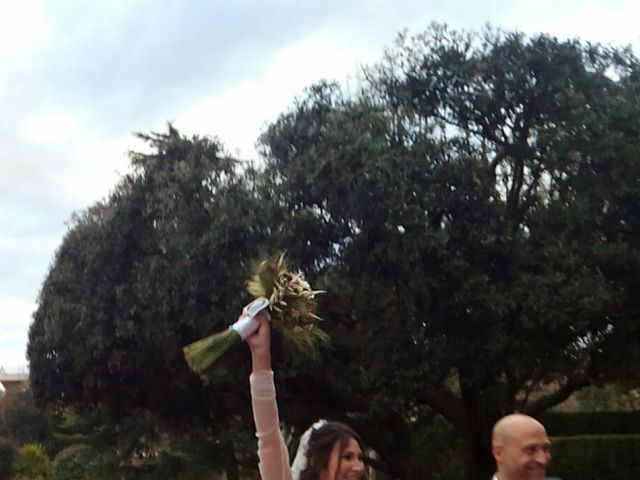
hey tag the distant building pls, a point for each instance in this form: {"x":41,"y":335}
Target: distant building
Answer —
{"x":14,"y":380}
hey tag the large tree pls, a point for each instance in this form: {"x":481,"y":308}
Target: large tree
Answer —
{"x":475,"y":214}
{"x":158,"y":264}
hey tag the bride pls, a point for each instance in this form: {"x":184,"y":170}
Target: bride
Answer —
{"x":328,"y":450}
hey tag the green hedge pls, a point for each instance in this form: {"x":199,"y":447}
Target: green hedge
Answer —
{"x":596,"y":457}
{"x":567,"y":424}
{"x":7,"y":454}
{"x":72,"y":463}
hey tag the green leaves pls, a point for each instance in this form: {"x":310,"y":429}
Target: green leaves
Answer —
{"x":461,"y":208}
{"x":31,"y":463}
{"x":139,"y":275}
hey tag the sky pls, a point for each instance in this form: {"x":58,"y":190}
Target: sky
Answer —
{"x":79,"y":78}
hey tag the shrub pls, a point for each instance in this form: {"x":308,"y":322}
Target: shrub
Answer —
{"x":435,"y":448}
{"x":566,"y":424}
{"x":31,"y":463}
{"x":71,"y":463}
{"x":7,"y":454}
{"x":596,"y":457}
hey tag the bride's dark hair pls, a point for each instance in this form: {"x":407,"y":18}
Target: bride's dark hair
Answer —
{"x":321,"y":443}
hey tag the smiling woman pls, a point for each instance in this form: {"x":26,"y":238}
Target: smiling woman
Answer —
{"x":334,"y":451}
{"x":327,"y":451}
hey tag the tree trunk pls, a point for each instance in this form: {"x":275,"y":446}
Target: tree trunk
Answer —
{"x":230,"y":461}
{"x":478,"y":461}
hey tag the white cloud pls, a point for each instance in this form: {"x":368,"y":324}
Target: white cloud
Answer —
{"x":22,"y":27}
{"x":238,"y":115}
{"x":232,"y":117}
{"x":15,"y":312}
{"x":29,"y":244}
{"x":14,"y":322}
{"x":52,"y":126}
{"x":99,"y":164}
{"x":592,"y":20}
{"x":65,"y":173}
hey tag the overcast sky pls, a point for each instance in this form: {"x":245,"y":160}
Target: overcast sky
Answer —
{"x":78,"y":78}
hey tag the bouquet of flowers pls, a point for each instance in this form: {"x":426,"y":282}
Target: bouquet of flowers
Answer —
{"x":292,"y":305}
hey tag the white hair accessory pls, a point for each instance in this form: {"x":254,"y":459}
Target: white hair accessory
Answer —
{"x":301,"y":460}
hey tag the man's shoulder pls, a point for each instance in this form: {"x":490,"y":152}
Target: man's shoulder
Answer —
{"x":495,"y":477}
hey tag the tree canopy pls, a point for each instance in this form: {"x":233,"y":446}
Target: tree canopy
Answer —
{"x":158,"y":264}
{"x":472,"y":213}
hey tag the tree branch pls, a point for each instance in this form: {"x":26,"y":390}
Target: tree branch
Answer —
{"x":445,"y":403}
{"x":561,"y":394}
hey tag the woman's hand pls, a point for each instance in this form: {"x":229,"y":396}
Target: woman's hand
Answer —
{"x":260,"y":343}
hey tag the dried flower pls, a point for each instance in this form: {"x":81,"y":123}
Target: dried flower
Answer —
{"x":292,"y":305}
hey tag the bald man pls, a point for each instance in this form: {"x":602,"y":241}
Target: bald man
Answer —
{"x":520,"y":445}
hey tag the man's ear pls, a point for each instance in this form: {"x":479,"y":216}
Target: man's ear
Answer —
{"x":496,"y":450}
